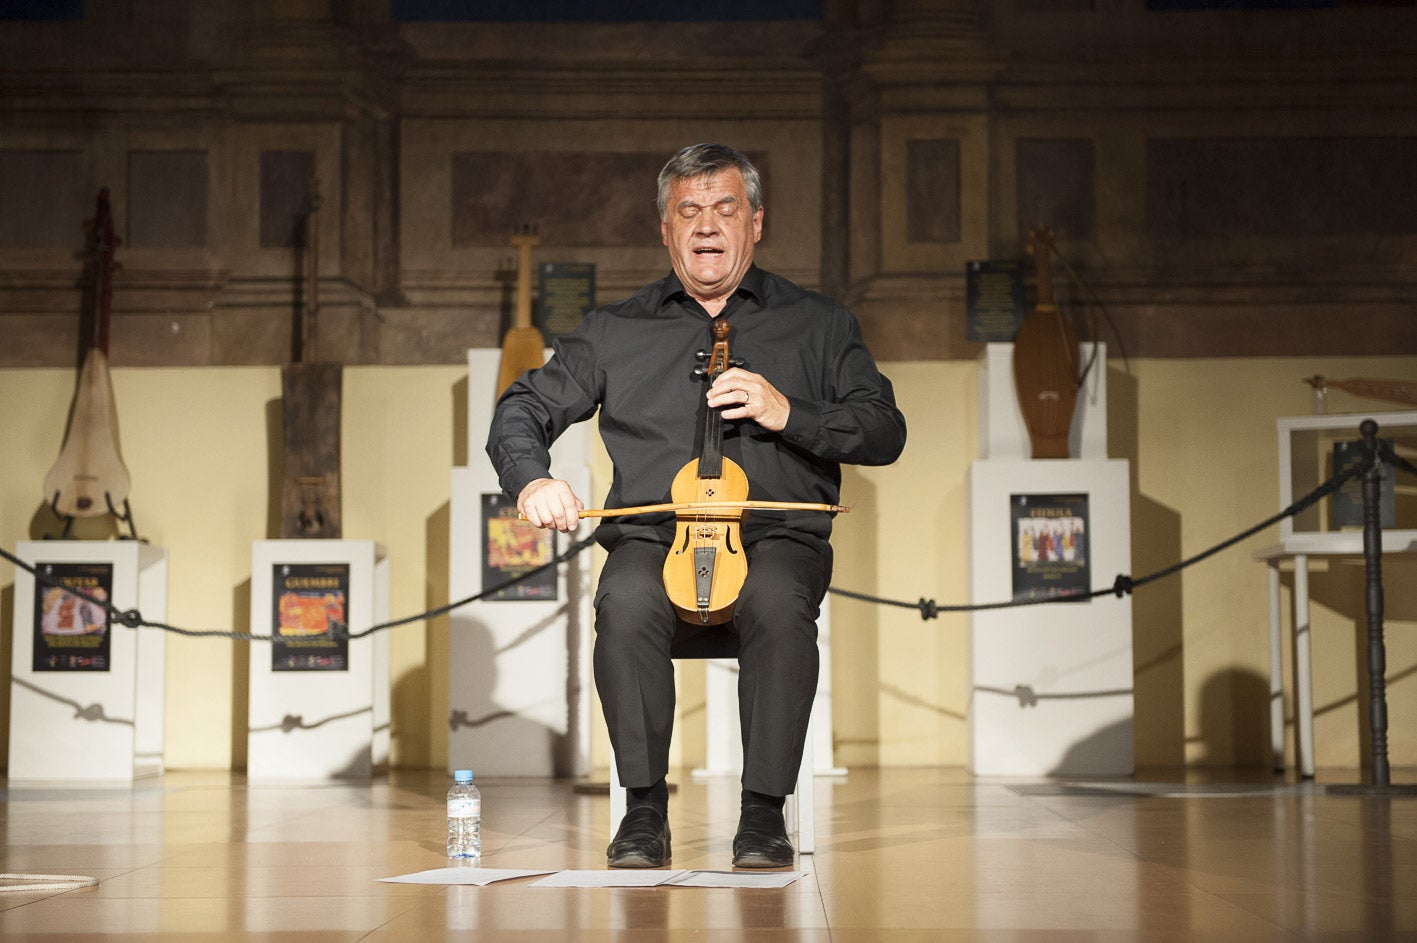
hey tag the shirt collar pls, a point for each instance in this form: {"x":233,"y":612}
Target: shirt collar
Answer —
{"x":752,"y":286}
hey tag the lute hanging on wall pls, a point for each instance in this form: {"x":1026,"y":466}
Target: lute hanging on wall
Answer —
{"x":310,"y":404}
{"x":1394,"y":391}
{"x":89,"y":478}
{"x":1046,"y":362}
{"x":523,"y":347}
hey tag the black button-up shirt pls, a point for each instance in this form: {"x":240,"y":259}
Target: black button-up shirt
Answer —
{"x":634,"y":362}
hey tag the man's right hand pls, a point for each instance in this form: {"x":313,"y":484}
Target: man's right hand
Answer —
{"x":550,"y":502}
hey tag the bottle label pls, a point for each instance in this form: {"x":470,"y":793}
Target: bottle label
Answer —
{"x":464,"y":808}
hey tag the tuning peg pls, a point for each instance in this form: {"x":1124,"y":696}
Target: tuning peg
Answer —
{"x":701,"y":355}
{"x":736,"y":361}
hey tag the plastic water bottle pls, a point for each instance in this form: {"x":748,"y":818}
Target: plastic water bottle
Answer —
{"x":464,"y":817}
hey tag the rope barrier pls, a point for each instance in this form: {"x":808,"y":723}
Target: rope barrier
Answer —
{"x":928,"y":608}
{"x":43,"y":883}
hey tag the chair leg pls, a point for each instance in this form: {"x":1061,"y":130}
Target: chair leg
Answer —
{"x":617,"y":797}
{"x":802,"y":806}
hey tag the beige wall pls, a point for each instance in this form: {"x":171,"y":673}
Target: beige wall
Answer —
{"x":1200,"y":435}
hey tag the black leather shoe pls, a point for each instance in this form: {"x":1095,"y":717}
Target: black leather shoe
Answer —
{"x":761,"y":841}
{"x":642,"y":840}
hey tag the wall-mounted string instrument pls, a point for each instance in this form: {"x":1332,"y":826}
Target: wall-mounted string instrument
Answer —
{"x":89,"y":478}
{"x":523,"y":347}
{"x":311,"y":393}
{"x":1394,"y":391}
{"x":1046,"y":374}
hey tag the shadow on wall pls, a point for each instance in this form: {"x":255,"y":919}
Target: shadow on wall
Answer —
{"x":1341,"y":588}
{"x":484,"y":734}
{"x":1234,"y":720}
{"x":241,"y":655}
{"x":1107,"y":752}
{"x":1157,"y":608}
{"x":856,"y":628}
{"x":420,"y":698}
{"x":7,"y":647}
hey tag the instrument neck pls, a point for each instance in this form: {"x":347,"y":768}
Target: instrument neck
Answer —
{"x":711,"y":452}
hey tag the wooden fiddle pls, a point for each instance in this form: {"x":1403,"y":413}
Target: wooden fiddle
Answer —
{"x":706,"y":564}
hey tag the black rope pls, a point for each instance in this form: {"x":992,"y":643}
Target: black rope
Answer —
{"x":928,"y":608}
{"x":1389,"y":455}
{"x":1123,"y":585}
{"x":133,"y":619}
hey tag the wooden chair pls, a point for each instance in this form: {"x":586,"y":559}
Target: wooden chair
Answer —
{"x":800,"y":810}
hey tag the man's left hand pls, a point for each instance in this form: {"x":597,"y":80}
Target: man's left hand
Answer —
{"x":746,"y":395}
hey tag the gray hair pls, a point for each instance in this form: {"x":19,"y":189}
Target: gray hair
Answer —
{"x":698,"y":160}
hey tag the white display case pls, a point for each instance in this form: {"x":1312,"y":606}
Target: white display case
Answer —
{"x":1306,"y":461}
{"x":320,"y":723}
{"x":80,"y":722}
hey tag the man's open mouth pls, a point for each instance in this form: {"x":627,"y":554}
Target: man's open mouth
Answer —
{"x":708,"y":251}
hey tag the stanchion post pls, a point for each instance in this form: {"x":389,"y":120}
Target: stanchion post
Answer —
{"x":1373,"y":566}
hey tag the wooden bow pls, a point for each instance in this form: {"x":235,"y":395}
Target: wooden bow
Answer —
{"x":710,"y":506}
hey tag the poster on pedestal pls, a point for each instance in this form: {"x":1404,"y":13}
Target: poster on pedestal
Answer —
{"x":513,"y":547}
{"x":1050,"y":536}
{"x":71,"y":633}
{"x":308,"y":598}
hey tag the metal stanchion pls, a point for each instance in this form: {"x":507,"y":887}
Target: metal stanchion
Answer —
{"x":1380,"y":772}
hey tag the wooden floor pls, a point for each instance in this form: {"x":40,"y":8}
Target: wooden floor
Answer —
{"x":903,"y":855}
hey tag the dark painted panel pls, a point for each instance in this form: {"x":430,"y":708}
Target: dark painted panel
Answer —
{"x":44,"y":200}
{"x":1055,"y":186}
{"x":167,"y":198}
{"x":1280,"y":187}
{"x":285,"y":196}
{"x":932,"y":211}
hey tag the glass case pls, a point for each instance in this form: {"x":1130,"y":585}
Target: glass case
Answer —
{"x":1312,"y":449}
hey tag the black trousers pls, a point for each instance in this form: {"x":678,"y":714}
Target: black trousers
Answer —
{"x":776,"y":624}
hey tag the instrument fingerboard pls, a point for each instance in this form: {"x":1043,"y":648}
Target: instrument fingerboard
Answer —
{"x":711,"y":453}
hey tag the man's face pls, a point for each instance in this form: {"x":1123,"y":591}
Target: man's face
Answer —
{"x":710,"y":231}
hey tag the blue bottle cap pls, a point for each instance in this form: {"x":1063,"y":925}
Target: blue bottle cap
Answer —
{"x":462,"y":776}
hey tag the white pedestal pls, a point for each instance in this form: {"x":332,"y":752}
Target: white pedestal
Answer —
{"x":1051,"y":684}
{"x":320,"y":724}
{"x":519,"y":670}
{"x":91,"y":725}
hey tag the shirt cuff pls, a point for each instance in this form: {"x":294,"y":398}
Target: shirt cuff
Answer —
{"x":804,"y":422}
{"x":520,"y":475}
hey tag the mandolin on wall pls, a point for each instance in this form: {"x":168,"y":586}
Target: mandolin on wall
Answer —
{"x":1046,"y":374}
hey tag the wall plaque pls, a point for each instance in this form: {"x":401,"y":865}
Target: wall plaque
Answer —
{"x":994,"y":299}
{"x":566,"y":295}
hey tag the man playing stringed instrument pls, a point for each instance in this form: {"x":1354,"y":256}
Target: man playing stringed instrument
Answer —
{"x":806,"y":398}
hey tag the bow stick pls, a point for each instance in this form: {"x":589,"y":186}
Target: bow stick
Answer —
{"x":710,"y":506}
